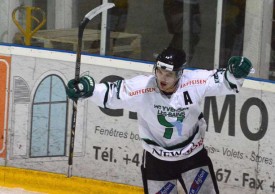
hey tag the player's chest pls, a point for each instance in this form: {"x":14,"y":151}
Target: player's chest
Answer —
{"x":180,"y":99}
{"x":175,"y":106}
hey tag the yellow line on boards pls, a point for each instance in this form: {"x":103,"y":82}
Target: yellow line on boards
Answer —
{"x":52,"y":183}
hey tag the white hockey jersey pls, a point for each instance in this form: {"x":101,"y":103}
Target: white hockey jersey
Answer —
{"x":171,"y":128}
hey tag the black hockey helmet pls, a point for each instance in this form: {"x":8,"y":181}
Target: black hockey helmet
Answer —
{"x":171,"y":59}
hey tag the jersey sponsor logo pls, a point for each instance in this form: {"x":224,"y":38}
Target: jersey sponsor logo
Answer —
{"x":180,"y":152}
{"x":142,"y":91}
{"x":194,"y":146}
{"x":169,"y":125}
{"x":198,"y":181}
{"x":193,"y":82}
{"x":167,"y":188}
{"x":174,"y":119}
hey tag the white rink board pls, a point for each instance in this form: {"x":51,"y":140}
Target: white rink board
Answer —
{"x":240,"y":137}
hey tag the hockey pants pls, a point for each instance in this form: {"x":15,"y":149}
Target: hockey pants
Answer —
{"x":195,"y":174}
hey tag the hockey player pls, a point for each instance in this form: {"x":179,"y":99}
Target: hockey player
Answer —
{"x":170,"y":121}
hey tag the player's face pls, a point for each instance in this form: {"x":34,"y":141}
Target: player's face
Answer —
{"x":166,"y":80}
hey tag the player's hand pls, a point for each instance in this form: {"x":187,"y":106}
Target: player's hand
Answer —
{"x":83,"y":88}
{"x":239,"y":66}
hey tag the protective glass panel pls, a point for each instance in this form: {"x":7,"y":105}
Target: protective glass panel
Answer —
{"x":141,"y":29}
{"x":272,"y":52}
{"x":135,"y":29}
{"x":232,"y":30}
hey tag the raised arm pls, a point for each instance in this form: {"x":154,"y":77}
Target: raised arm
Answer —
{"x":229,"y":80}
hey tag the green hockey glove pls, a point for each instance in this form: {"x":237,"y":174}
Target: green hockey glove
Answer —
{"x":239,"y":66}
{"x":83,"y":88}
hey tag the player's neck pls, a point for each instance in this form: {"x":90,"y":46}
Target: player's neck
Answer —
{"x":170,"y":91}
{"x":167,"y":93}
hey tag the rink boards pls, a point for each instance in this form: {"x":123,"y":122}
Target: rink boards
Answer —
{"x":239,"y":138}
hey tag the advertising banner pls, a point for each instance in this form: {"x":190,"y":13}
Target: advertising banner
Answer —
{"x":239,"y":137}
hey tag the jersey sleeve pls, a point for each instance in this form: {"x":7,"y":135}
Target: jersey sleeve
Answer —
{"x":118,"y":94}
{"x":221,"y":82}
